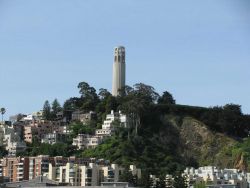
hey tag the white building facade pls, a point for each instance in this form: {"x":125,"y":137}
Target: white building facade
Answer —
{"x":83,"y":141}
{"x":214,"y":176}
{"x":88,"y":175}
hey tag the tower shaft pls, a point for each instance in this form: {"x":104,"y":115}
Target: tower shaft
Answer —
{"x":119,"y":68}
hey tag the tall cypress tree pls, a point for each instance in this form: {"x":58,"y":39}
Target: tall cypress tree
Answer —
{"x":56,"y":107}
{"x":46,"y":110}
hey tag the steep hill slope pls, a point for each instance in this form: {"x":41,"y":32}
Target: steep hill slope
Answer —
{"x":167,"y":144}
{"x":202,"y":146}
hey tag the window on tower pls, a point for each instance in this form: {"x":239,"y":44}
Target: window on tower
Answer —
{"x":118,"y":58}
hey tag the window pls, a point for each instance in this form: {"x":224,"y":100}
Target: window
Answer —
{"x":89,"y":172}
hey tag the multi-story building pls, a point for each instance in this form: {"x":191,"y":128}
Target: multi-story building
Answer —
{"x":110,"y":173}
{"x":38,"y":129}
{"x":18,"y":128}
{"x":91,"y":174}
{"x":83,"y":141}
{"x":39,"y":165}
{"x":107,"y":126}
{"x":83,"y":117}
{"x":103,"y":132}
{"x":64,"y":129}
{"x":15,"y":168}
{"x":69,"y":170}
{"x":110,"y":118}
{"x":52,"y":138}
{"x":11,"y":140}
{"x":214,"y":176}
{"x":29,"y":132}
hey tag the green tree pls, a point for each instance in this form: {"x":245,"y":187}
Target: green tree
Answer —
{"x":127,"y":176}
{"x":104,"y":93}
{"x":72,"y":104}
{"x":200,"y":185}
{"x":161,"y":182}
{"x":2,"y":110}
{"x":169,"y":181}
{"x":180,"y":181}
{"x":111,"y":104}
{"x":137,"y":103}
{"x":233,"y":108}
{"x":166,"y":98}
{"x":79,"y":128}
{"x":58,"y":149}
{"x":89,"y":97}
{"x":146,"y":92}
{"x":86,"y":90}
{"x":46,"y":110}
{"x":126,"y":90}
{"x":56,"y":107}
{"x":146,"y":180}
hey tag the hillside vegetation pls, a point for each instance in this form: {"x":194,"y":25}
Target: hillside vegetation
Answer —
{"x":163,"y":136}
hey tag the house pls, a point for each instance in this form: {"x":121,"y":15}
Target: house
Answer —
{"x":83,"y":117}
{"x":38,"y":129}
{"x":110,"y":118}
{"x":52,"y":138}
{"x":83,"y":141}
{"x":107,"y":126}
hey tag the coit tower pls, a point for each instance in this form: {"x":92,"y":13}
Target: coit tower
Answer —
{"x":118,"y":70}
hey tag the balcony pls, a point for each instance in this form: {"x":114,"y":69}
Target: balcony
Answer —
{"x":20,"y":172}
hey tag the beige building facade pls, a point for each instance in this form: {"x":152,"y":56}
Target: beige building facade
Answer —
{"x":90,"y":174}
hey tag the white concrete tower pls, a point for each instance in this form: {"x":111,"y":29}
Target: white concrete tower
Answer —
{"x":118,"y":70}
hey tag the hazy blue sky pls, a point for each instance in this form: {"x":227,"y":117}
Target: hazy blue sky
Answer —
{"x":197,"y":50}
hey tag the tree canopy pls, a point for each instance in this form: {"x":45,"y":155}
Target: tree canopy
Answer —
{"x":46,"y":110}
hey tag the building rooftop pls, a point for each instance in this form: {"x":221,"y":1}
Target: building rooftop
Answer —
{"x":40,"y":181}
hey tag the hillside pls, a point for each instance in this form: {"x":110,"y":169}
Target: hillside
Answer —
{"x":179,"y":142}
{"x":163,"y":137}
{"x":203,"y":146}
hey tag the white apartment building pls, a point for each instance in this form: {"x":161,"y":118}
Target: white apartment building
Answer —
{"x":83,"y":141}
{"x":107,"y":127}
{"x":87,"y":175}
{"x":215,"y":176}
{"x":103,"y":132}
{"x":75,"y":174}
{"x":110,"y":118}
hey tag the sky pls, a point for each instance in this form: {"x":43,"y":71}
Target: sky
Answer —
{"x":197,"y":50}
